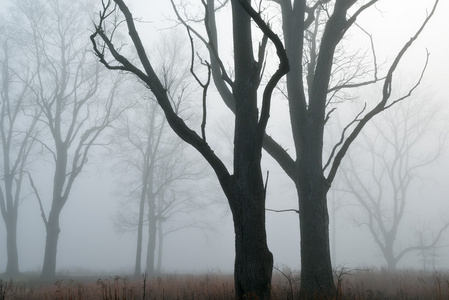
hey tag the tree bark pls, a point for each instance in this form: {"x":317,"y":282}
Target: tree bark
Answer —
{"x":316,"y":268}
{"x":253,"y":261}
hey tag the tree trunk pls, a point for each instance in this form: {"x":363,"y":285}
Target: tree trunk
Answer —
{"x":391,"y":263}
{"x":151,"y":236}
{"x":246,"y":193}
{"x":137,"y":268}
{"x":316,"y":268}
{"x":51,"y":245}
{"x":253,"y":261}
{"x":12,"y":267}
{"x":388,"y":252}
{"x":160,"y":241}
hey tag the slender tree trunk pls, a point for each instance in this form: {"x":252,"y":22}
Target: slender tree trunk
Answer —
{"x":160,"y":244}
{"x":12,"y":267}
{"x":151,"y":237}
{"x":137,"y":268}
{"x":51,"y":245}
{"x":334,"y":232}
{"x":316,"y":267}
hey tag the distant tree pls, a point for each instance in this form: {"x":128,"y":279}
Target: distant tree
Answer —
{"x":151,"y":152}
{"x":244,"y":189}
{"x":383,"y":173}
{"x":17,"y":134}
{"x":69,"y":92}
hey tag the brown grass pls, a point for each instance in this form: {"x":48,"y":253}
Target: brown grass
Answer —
{"x":354,"y":285}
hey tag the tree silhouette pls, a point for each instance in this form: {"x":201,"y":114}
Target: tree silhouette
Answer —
{"x":17,"y":136}
{"x":244,"y":188}
{"x":319,"y":79}
{"x":66,"y":92}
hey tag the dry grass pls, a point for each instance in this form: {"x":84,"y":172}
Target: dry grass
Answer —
{"x":354,"y":285}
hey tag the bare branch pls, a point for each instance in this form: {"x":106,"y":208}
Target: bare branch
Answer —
{"x":382,"y":105}
{"x":44,"y":218}
{"x":283,"y":210}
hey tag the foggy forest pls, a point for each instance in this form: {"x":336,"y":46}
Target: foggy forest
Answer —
{"x":224,"y":149}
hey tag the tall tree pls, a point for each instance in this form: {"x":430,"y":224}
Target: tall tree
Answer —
{"x":383,"y":173}
{"x":17,"y":130}
{"x":66,"y":90}
{"x":244,"y":188}
{"x":310,"y":85}
{"x":313,"y":33}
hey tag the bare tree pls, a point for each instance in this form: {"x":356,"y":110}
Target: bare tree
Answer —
{"x":66,"y":90}
{"x":244,"y":188}
{"x":313,"y":32}
{"x":17,"y":133}
{"x":151,"y":152}
{"x":309,"y":107}
{"x":382,"y":175}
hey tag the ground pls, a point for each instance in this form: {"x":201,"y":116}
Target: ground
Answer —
{"x":353,"y":284}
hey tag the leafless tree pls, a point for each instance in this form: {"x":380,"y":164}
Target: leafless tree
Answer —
{"x":151,"y":151}
{"x":310,"y":86}
{"x":382,"y":175}
{"x":314,"y":33}
{"x":244,"y":188}
{"x":68,"y":92}
{"x":17,"y":135}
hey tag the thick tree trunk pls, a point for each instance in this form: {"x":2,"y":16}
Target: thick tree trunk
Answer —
{"x":316,"y":268}
{"x":51,"y":245}
{"x":253,"y":261}
{"x":12,"y":266}
{"x":246,"y":195}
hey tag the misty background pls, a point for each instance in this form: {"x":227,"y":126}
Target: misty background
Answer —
{"x":89,"y":241}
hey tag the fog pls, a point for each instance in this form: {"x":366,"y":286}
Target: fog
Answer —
{"x":89,"y":242}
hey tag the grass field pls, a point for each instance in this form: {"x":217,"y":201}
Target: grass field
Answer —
{"x":355,"y":284}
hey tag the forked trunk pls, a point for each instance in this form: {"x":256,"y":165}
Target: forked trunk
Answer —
{"x":317,"y":280}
